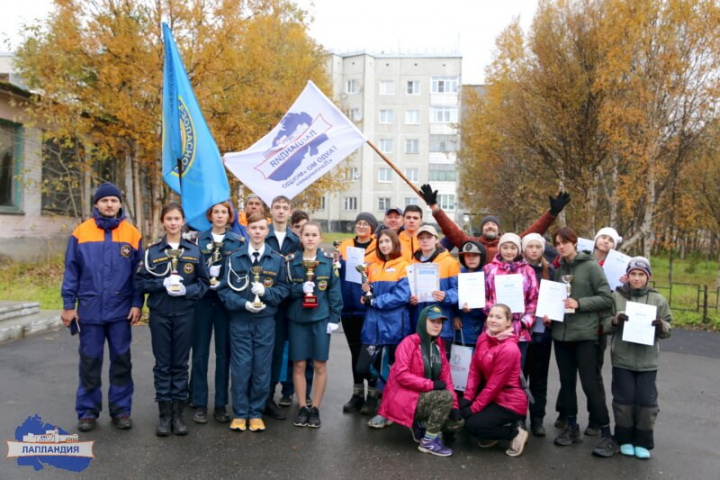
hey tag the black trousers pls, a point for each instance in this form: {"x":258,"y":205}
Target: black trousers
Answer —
{"x":171,"y":337}
{"x":493,"y":423}
{"x":369,"y":363}
{"x":575,"y":358}
{"x":537,"y":365}
{"x":635,"y":406}
{"x":352,"y":326}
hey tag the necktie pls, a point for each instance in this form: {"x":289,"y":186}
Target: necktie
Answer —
{"x":256,"y":258}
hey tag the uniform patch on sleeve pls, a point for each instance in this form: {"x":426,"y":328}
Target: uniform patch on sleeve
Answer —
{"x":125,"y":251}
{"x":188,"y":268}
{"x":322,"y":285}
{"x":268,"y":282}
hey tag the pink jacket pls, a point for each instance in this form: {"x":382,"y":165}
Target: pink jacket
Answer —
{"x":495,"y":370}
{"x":407,"y":381}
{"x":530,"y":289}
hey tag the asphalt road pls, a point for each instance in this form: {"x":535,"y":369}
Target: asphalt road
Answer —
{"x":39,"y":375}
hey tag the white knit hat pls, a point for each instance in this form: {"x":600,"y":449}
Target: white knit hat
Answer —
{"x":610,"y":232}
{"x":511,"y":238}
{"x":532,"y":237}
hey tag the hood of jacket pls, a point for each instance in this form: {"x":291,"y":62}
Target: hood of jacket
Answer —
{"x":579,"y":258}
{"x":428,"y":346}
{"x":438,"y":254}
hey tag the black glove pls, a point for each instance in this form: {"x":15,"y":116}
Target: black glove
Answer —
{"x":466,"y":412}
{"x":439,"y":385}
{"x":366,"y":301}
{"x":464,"y":402}
{"x":658,"y":324}
{"x":620,"y":317}
{"x":455,"y":414}
{"x":558,"y":203}
{"x":429,"y":195}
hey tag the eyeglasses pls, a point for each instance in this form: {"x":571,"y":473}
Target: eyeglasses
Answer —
{"x":362,"y":224}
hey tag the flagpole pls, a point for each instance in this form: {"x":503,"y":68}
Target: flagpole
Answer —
{"x":394,"y":167}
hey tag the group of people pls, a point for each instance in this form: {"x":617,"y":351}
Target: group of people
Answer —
{"x":271,"y":296}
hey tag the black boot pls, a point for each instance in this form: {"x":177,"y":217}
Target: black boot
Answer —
{"x":163,"y":428}
{"x":273,"y":411}
{"x":178,"y":423}
{"x":371,"y":403}
{"x":357,"y":400}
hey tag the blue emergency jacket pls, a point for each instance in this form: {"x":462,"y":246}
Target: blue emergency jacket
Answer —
{"x":473,"y":322}
{"x":231,"y":243}
{"x":100,"y":261}
{"x":236,"y":284}
{"x":327,"y":291}
{"x":291,"y":244}
{"x":156,"y":266}
{"x":351,"y":291}
{"x":387,"y":320}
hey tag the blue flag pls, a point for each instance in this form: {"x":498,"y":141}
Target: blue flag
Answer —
{"x":186,"y":137}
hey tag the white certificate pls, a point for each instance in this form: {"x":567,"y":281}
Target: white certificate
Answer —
{"x":614,"y":267}
{"x":427,"y":280}
{"x":355,"y":257}
{"x":551,"y":300}
{"x":471,"y":290}
{"x":585,"y":244}
{"x":638,"y":328}
{"x":509,"y":290}
{"x":410,"y":271}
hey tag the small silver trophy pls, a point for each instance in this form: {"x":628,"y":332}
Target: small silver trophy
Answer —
{"x":568,"y":279}
{"x":216,"y":257}
{"x":364,"y":276}
{"x":257,"y":303}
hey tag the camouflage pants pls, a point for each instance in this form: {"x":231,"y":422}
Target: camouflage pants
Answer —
{"x":433,"y":408}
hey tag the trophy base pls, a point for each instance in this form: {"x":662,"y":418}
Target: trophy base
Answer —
{"x":569,"y":310}
{"x":174,"y":288}
{"x":310,"y":301}
{"x":258,"y":304}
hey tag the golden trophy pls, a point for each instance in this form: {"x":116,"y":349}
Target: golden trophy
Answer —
{"x":567,"y":279}
{"x":215,"y":258}
{"x":310,"y":300}
{"x":364,"y":276}
{"x":174,"y":255}
{"x":257,"y":270}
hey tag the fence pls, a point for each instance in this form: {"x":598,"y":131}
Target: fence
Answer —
{"x":691,"y":297}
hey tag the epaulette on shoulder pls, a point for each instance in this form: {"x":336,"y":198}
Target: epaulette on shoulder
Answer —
{"x":328,"y":255}
{"x":287,"y":258}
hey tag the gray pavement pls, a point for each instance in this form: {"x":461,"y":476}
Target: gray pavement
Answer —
{"x":39,"y":375}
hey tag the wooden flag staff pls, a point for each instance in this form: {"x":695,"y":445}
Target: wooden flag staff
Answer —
{"x":397,"y":170}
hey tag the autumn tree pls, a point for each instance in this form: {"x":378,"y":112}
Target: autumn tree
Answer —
{"x":97,"y":66}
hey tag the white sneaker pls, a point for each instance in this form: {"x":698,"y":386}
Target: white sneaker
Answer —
{"x":517,"y":445}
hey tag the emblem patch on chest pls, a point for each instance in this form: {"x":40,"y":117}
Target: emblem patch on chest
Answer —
{"x":125,"y":251}
{"x":188,"y":268}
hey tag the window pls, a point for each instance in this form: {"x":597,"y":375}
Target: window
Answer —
{"x":443,"y":114}
{"x":387,"y":87}
{"x":447,"y":202}
{"x":386,"y":116}
{"x":352,"y":174}
{"x":443,"y":143}
{"x":386,"y":145}
{"x":445,"y":85}
{"x":413,"y":87}
{"x":412,"y":145}
{"x":383,"y":203}
{"x":384,"y":175}
{"x":411,"y":201}
{"x":412,"y":174}
{"x":352,"y":86}
{"x":442,"y":173}
{"x":59,"y":195}
{"x":355,"y":114}
{"x":412,"y":117}
{"x":11,"y":135}
{"x":322,"y":203}
{"x":350,"y":203}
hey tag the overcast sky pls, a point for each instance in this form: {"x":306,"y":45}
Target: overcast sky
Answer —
{"x":468,"y":27}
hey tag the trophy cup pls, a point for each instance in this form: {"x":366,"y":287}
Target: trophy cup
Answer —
{"x":257,"y":303}
{"x":174,"y":255}
{"x":363,"y":275}
{"x":310,"y":300}
{"x":216,"y":257}
{"x":567,"y":279}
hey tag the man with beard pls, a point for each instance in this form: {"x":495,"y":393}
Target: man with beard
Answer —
{"x":490,"y":225}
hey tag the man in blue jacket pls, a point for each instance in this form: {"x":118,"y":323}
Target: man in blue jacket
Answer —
{"x":100,"y":302}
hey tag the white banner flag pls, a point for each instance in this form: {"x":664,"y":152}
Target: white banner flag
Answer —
{"x":309,"y":141}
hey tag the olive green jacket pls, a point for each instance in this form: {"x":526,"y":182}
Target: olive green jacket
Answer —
{"x":592,"y":292}
{"x":634,"y":356}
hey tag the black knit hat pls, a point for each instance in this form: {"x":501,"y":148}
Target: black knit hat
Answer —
{"x":368,"y":217}
{"x":490,"y":218}
{"x":107,"y":190}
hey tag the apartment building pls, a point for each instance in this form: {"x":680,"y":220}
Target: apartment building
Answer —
{"x":409,"y":107}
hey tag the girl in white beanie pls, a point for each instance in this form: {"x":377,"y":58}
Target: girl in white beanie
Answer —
{"x":606,"y":239}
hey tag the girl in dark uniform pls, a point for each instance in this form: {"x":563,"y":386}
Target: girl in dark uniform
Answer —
{"x":176,"y":278}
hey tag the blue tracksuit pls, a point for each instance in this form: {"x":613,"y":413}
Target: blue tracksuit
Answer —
{"x":100,"y":263}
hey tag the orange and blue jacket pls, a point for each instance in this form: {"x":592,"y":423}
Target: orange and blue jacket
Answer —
{"x":387,"y":320}
{"x":409,"y":244}
{"x":100,"y":262}
{"x":449,"y":268}
{"x":351,"y":292}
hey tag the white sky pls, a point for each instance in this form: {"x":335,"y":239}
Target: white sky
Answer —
{"x":468,"y":27}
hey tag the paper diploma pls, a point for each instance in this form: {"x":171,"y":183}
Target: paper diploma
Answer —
{"x":471,"y":290}
{"x":638,"y":328}
{"x":614,"y":267}
{"x":551,"y":300}
{"x":586,"y":245}
{"x":427,"y":280}
{"x":355,"y":257}
{"x":509,"y":290}
{"x":410,"y":271}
